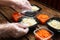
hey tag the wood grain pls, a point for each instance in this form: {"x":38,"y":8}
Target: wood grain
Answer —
{"x":2,"y":19}
{"x":7,"y":12}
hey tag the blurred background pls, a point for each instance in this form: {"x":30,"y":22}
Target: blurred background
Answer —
{"x":55,"y":4}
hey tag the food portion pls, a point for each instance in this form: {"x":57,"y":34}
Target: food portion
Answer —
{"x":16,"y":16}
{"x":43,"y":33}
{"x":28,"y":21}
{"x":54,"y":23}
{"x":42,"y":18}
{"x":35,"y":8}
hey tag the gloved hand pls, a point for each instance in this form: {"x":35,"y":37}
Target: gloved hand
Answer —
{"x":13,"y":30}
{"x":24,"y":4}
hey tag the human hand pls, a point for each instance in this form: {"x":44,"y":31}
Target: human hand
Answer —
{"x":13,"y":30}
{"x":23,"y":4}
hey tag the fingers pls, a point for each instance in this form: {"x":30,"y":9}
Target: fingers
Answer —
{"x":29,"y":5}
{"x":26,"y":5}
{"x":15,"y":30}
{"x":23,"y":28}
{"x":19,"y":31}
{"x":20,"y":25}
{"x":26,"y":30}
{"x":23,"y":4}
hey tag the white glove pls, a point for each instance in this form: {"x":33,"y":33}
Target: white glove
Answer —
{"x":24,"y":4}
{"x":12,"y":30}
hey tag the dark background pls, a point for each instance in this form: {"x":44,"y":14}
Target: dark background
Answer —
{"x":51,"y":3}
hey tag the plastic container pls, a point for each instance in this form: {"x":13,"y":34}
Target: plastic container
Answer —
{"x":52,"y":28}
{"x":37,"y":7}
{"x":32,"y":27}
{"x":39,"y":37}
{"x":16,"y":16}
{"x":42,"y":18}
{"x":31,"y":13}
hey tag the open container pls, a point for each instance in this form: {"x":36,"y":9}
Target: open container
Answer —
{"x":54,"y":24}
{"x":39,"y":35}
{"x":16,"y":16}
{"x":35,"y":10}
{"x":30,"y":13}
{"x":36,"y":7}
{"x":42,"y":18}
{"x":30,"y":22}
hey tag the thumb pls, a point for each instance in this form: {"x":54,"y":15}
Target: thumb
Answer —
{"x":21,"y":25}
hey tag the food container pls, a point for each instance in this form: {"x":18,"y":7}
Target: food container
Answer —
{"x":42,"y":18}
{"x":16,"y":16}
{"x":36,"y":7}
{"x":53,"y":24}
{"x":30,"y":22}
{"x":30,"y":13}
{"x":43,"y":34}
{"x":35,"y":10}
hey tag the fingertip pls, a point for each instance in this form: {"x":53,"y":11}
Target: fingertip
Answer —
{"x":21,"y":25}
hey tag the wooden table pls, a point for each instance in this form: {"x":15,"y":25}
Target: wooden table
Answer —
{"x":6,"y":16}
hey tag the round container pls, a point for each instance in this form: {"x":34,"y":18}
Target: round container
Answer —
{"x":40,"y":38}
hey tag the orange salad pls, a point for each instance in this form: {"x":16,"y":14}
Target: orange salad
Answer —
{"x":16,"y":16}
{"x":42,"y":18}
{"x":43,"y":33}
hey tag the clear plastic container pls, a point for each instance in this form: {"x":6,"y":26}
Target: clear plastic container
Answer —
{"x":40,"y":38}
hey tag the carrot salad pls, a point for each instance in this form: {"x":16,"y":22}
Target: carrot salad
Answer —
{"x":43,"y":33}
{"x":43,"y":18}
{"x":16,"y":16}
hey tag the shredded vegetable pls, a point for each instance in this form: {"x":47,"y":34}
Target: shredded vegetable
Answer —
{"x":43,"y":18}
{"x":16,"y":16}
{"x":43,"y":33}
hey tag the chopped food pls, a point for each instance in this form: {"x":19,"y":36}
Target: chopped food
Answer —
{"x":35,"y":8}
{"x":55,"y":24}
{"x":29,"y":21}
{"x":43,"y":33}
{"x":16,"y":16}
{"x":42,"y":18}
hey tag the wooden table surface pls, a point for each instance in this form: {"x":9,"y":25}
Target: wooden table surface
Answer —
{"x":6,"y":16}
